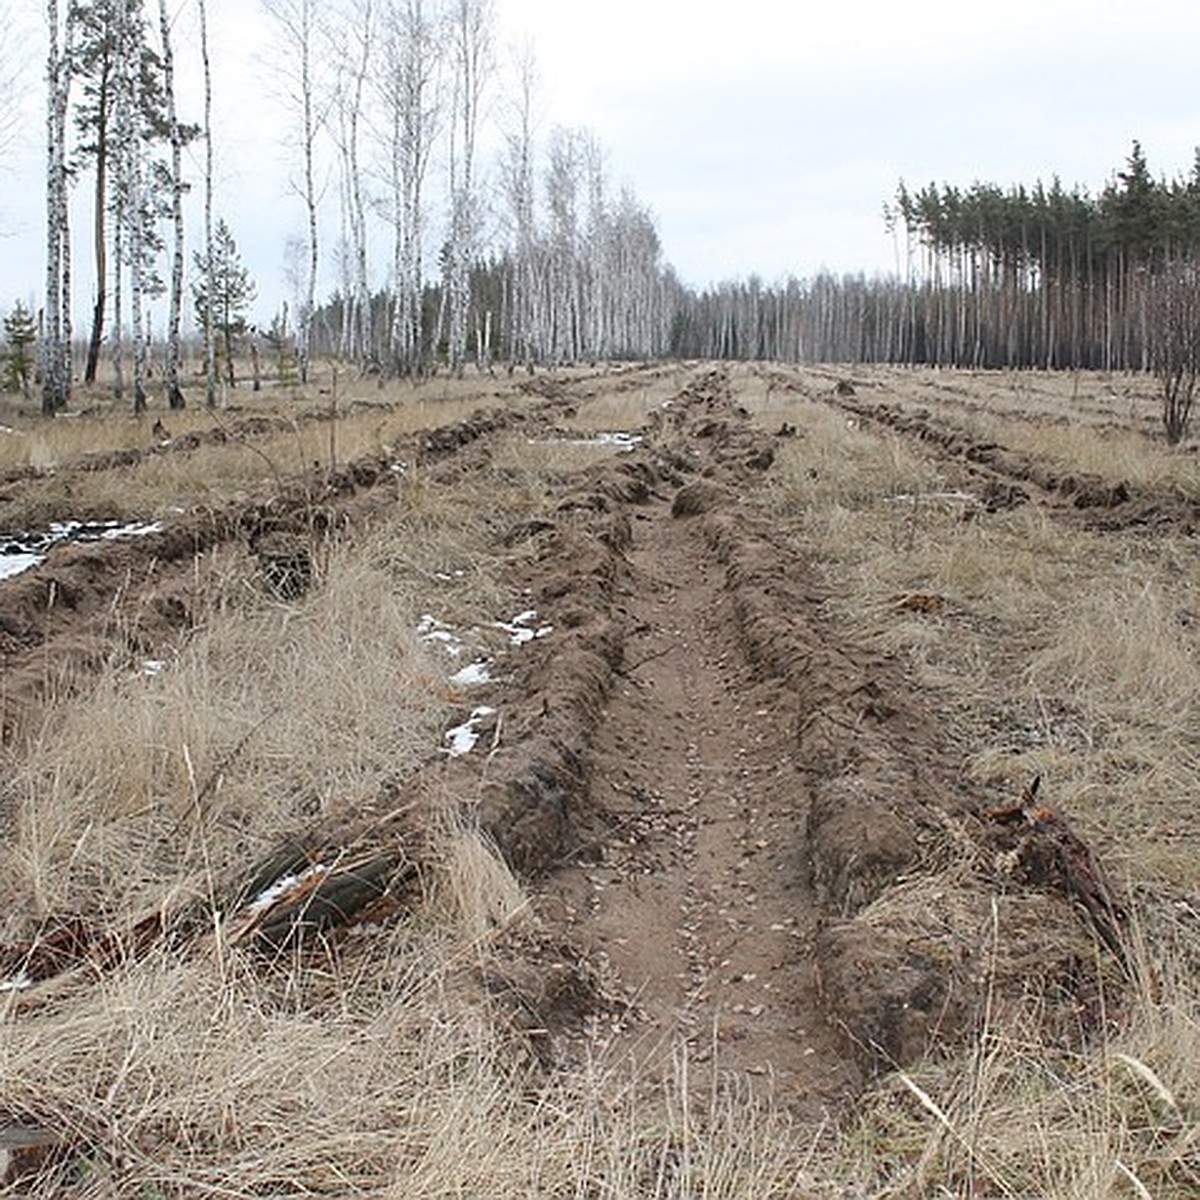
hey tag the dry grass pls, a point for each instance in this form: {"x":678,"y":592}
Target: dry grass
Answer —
{"x":1017,"y":1117}
{"x":379,"y":1067}
{"x":1086,"y":422}
{"x":382,"y":1068}
{"x":1054,"y":650}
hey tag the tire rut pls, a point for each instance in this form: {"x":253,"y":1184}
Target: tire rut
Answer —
{"x":691,"y":885}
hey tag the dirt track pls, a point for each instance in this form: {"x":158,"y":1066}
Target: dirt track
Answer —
{"x":742,"y":829}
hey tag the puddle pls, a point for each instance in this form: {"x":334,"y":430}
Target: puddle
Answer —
{"x":22,"y":551}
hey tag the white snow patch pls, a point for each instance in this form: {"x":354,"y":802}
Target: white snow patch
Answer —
{"x":280,"y":887}
{"x":27,"y":550}
{"x":153,"y":667}
{"x":464,"y":738}
{"x":519,"y":631}
{"x":622,"y":442}
{"x":472,"y":674}
{"x":430,"y":629}
{"x":14,"y":564}
{"x":18,"y":983}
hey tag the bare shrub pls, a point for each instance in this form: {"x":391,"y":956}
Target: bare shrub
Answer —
{"x":1175,"y":344}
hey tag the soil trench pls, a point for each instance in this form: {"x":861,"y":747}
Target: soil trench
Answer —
{"x":692,"y":886}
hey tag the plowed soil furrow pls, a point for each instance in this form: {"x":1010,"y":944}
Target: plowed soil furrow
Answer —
{"x":693,"y":885}
{"x":1006,"y":477}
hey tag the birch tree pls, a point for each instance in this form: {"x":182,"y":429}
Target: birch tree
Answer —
{"x":563,"y":274}
{"x":296,"y":66}
{"x":56,"y":319}
{"x":207,"y":315}
{"x":470,"y":40}
{"x":518,"y":182}
{"x":176,"y":134}
{"x":351,"y":43}
{"x":410,"y":97}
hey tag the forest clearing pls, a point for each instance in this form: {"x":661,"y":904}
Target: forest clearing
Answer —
{"x":649,"y":781}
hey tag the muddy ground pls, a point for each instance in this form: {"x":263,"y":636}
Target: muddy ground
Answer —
{"x":743,"y":833}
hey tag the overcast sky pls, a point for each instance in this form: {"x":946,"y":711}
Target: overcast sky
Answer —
{"x":765,"y":135}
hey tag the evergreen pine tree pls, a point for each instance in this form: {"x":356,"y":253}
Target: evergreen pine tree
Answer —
{"x":233,"y":291}
{"x":20,"y":333}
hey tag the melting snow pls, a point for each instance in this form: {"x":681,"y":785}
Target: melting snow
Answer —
{"x":463,"y":738}
{"x":472,"y":674}
{"x":622,"y":442}
{"x":14,"y":562}
{"x":26,"y":550}
{"x":17,"y":984}
{"x":430,"y":629}
{"x":280,"y":887}
{"x":518,"y":629}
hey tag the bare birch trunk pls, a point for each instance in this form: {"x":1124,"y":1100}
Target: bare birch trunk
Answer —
{"x":100,"y":202}
{"x":55,"y":350}
{"x":471,"y":40}
{"x":175,"y":302}
{"x":210,"y":344}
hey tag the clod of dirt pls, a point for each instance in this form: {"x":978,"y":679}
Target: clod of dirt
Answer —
{"x":527,"y":813}
{"x":698,"y":497}
{"x":844,"y":388}
{"x":998,"y":496}
{"x":858,"y":845}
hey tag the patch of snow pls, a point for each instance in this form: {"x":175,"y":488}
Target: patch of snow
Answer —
{"x":17,"y":984}
{"x":14,"y":563}
{"x":623,"y":442}
{"x":26,"y":550}
{"x":430,"y":629}
{"x":135,"y":529}
{"x":472,"y":674}
{"x":464,"y":738}
{"x":11,"y":431}
{"x":519,"y":631}
{"x":280,"y":887}
{"x":153,"y":667}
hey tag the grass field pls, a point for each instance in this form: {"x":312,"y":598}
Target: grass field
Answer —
{"x":385,"y":1060}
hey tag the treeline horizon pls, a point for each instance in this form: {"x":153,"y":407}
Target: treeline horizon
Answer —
{"x":1028,"y":276}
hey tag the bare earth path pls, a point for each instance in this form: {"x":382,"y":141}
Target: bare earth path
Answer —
{"x":694,"y":885}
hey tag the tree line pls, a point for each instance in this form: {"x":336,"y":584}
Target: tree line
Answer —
{"x":538,"y":260}
{"x":1028,"y":276}
{"x":531,"y":257}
